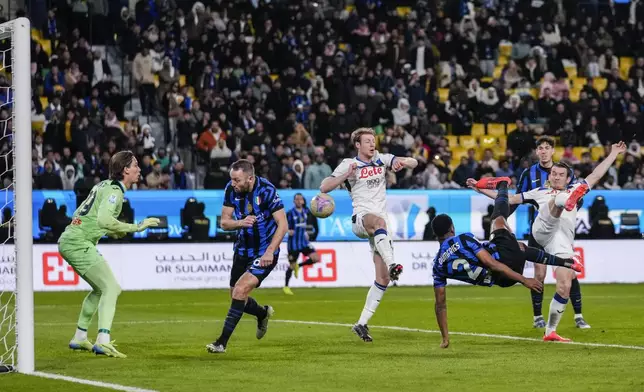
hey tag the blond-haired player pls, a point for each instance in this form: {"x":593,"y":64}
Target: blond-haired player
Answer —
{"x":365,"y":178}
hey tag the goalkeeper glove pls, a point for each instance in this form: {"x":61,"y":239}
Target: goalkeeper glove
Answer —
{"x":148,"y":222}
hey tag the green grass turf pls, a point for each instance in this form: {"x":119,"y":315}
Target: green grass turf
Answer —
{"x":164,"y":334}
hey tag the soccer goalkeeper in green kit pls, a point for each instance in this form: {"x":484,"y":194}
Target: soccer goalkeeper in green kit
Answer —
{"x":93,"y":219}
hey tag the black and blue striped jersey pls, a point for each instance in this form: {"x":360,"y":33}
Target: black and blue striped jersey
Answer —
{"x":457,"y":260}
{"x":262,"y":201}
{"x":297,"y":221}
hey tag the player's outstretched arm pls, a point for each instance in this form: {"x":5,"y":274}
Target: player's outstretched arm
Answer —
{"x":441,"y":314}
{"x":400,"y":163}
{"x":489,"y":261}
{"x":106,"y":217}
{"x":512,"y":199}
{"x":339,"y":176}
{"x":601,"y":169}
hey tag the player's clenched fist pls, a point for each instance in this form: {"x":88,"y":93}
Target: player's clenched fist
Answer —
{"x":148,"y":222}
{"x":248,"y":222}
{"x":351,"y":172}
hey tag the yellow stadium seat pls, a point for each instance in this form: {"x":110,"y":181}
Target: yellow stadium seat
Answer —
{"x":458,"y":153}
{"x":557,"y":140}
{"x":156,"y":80}
{"x":403,"y":11}
{"x":342,"y":46}
{"x":44,"y":102}
{"x":467,"y":142}
{"x":478,"y":129}
{"x":191,"y":92}
{"x":499,"y":153}
{"x":558,"y":154}
{"x":503,"y":60}
{"x":46,"y":46}
{"x":534,"y":93}
{"x":577,"y":151}
{"x":625,"y":64}
{"x":182,"y":80}
{"x":510,"y":127}
{"x":505,"y":50}
{"x":443,"y":94}
{"x":488,"y":142}
{"x":600,"y":84}
{"x":38,"y":126}
{"x":503,"y":142}
{"x":495,"y":129}
{"x":578,"y":82}
{"x":453,"y":164}
{"x":273,"y":77}
{"x":597,"y":153}
{"x":452,"y":141}
{"x":350,"y":8}
{"x":574,"y":94}
{"x":478,"y":154}
{"x":497,"y":72}
{"x":571,"y":71}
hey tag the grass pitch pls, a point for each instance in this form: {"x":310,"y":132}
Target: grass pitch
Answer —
{"x":164,"y":334}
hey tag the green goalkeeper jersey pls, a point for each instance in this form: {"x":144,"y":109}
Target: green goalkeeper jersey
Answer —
{"x":97,"y":215}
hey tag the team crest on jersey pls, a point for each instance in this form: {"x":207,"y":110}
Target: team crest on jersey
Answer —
{"x":249,"y":208}
{"x":112,"y":199}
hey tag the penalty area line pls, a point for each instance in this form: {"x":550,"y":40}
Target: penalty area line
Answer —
{"x":101,"y":384}
{"x":480,"y":335}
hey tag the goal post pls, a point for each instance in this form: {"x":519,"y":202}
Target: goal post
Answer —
{"x":16,"y":297}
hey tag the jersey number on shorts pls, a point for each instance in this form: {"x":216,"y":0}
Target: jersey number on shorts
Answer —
{"x":87,"y":204}
{"x":467,"y":267}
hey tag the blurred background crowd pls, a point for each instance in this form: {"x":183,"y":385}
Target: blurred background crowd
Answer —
{"x":466,"y":87}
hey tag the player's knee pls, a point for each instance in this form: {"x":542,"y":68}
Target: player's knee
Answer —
{"x":115,"y":290}
{"x":314,"y":257}
{"x":241,"y":291}
{"x":540,"y":276}
{"x":563,"y":288}
{"x":383,"y":280}
{"x":498,"y":223}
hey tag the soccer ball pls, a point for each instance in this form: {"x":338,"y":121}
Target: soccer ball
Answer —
{"x":322,"y":205}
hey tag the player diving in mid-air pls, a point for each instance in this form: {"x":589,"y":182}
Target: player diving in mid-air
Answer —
{"x":93,"y":219}
{"x":499,"y":262}
{"x":298,"y":240}
{"x":365,"y":178}
{"x":554,"y":228}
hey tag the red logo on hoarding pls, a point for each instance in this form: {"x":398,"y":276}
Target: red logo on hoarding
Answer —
{"x":579,"y":252}
{"x":323,"y":271}
{"x":56,"y":272}
{"x":368,"y":172}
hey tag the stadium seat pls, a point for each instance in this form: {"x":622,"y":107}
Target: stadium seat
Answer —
{"x":558,"y":154}
{"x":600,"y":84}
{"x":403,"y":11}
{"x":496,"y":129}
{"x":156,"y":80}
{"x":443,"y":94}
{"x":597,"y":152}
{"x":452,"y":141}
{"x":503,"y":60}
{"x":578,"y":82}
{"x":350,"y":8}
{"x":571,"y":71}
{"x":273,"y":76}
{"x":343,"y":46}
{"x":478,"y":129}
{"x":505,"y":49}
{"x":182,"y":80}
{"x":503,"y":142}
{"x":574,"y":94}
{"x":38,"y":126}
{"x":458,"y":153}
{"x":453,"y":164}
{"x":488,"y":142}
{"x":467,"y":142}
{"x":44,"y":102}
{"x":487,"y":79}
{"x":534,"y":93}
{"x":497,"y":72}
{"x":625,"y":64}
{"x":577,"y":151}
{"x":510,"y":127}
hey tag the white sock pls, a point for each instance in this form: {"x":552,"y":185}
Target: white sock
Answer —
{"x":373,"y":300}
{"x":384,"y":246}
{"x":578,"y":315}
{"x":103,"y":338}
{"x":557,"y":307}
{"x":537,"y":317}
{"x":80,"y":335}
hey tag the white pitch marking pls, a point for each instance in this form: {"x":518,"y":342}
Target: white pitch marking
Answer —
{"x":101,"y":384}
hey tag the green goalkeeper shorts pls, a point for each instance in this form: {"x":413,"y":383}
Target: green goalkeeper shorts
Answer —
{"x":81,"y":256}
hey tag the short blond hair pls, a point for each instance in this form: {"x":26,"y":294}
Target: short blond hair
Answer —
{"x":358,"y":133}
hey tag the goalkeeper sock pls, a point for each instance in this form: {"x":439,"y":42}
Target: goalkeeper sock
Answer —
{"x":235,"y":314}
{"x":373,"y":300}
{"x":253,"y":308}
{"x":501,"y":203}
{"x":90,"y":305}
{"x":103,"y":336}
{"x":541,"y":257}
{"x":382,"y":242}
{"x":81,"y":334}
{"x":289,"y":273}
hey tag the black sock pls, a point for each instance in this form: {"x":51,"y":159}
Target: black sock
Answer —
{"x":575,"y":296}
{"x":537,"y":301}
{"x":307,"y":262}
{"x":235,"y":313}
{"x":501,"y":203}
{"x":541,"y":257}
{"x":289,"y":273}
{"x":254,"y":309}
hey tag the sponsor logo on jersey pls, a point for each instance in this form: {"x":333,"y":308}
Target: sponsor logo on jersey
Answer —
{"x":325,"y":270}
{"x":76,"y":221}
{"x":56,"y":272}
{"x":367,"y":172}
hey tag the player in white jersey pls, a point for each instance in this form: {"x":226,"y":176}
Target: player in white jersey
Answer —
{"x":554,"y":227}
{"x":365,"y":178}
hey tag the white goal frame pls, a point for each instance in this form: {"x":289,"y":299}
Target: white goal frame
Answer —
{"x":23,"y":234}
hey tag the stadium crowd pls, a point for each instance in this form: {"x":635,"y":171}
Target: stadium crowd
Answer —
{"x":465,"y":87}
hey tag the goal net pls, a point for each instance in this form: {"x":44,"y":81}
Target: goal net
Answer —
{"x":16,"y":278}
